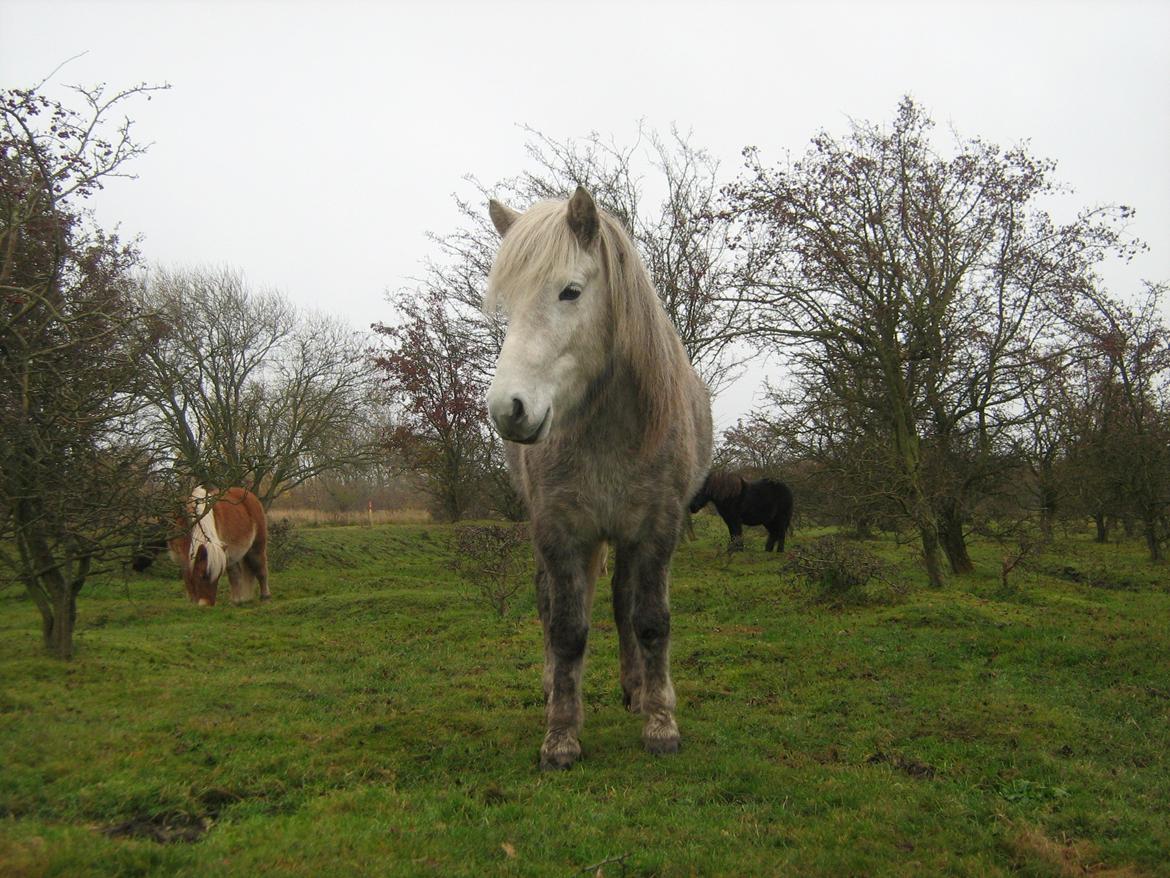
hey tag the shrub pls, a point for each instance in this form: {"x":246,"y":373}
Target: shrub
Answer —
{"x":284,"y":543}
{"x":840,"y":568}
{"x":491,"y":559}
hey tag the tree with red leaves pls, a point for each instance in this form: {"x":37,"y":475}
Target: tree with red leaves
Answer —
{"x":432,"y":369}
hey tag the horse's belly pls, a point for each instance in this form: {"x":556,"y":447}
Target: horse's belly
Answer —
{"x":236,"y":550}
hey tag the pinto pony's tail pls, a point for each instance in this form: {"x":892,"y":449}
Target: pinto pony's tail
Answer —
{"x":205,"y":537}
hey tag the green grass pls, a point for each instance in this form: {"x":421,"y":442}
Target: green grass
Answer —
{"x":374,"y":720}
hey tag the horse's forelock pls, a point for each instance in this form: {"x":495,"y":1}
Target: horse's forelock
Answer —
{"x":538,"y":245}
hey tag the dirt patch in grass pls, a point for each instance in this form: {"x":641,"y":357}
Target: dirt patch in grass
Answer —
{"x":170,"y":828}
{"x":912,"y":767}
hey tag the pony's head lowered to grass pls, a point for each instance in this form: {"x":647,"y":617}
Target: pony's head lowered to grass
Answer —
{"x":206,"y":559}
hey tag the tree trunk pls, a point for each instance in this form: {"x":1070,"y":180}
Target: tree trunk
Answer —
{"x":1102,"y":527}
{"x":950,"y":529}
{"x":1150,"y":532}
{"x":930,"y":555}
{"x":58,"y":630}
{"x":1048,"y":505}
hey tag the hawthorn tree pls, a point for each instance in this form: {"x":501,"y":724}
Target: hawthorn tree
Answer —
{"x":1129,"y":347}
{"x":907,"y":283}
{"x":73,"y":464}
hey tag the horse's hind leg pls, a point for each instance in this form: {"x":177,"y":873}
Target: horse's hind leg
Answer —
{"x":650,"y":572}
{"x":629,"y":651}
{"x":257,"y":563}
{"x":775,"y":529}
{"x":236,"y":578}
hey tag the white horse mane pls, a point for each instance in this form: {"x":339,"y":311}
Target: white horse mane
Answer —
{"x":205,"y":534}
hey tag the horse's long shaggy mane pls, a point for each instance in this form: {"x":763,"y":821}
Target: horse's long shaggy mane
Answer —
{"x":723,"y":486}
{"x":540,"y":245}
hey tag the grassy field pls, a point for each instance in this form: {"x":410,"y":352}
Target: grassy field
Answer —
{"x":374,"y":720}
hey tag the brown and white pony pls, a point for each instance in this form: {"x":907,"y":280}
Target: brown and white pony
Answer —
{"x":608,"y":433}
{"x":229,"y":533}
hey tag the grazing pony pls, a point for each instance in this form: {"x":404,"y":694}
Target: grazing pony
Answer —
{"x":608,"y":433}
{"x":739,"y":502}
{"x":229,"y":533}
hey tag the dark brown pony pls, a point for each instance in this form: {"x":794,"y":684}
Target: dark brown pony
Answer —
{"x":228,"y":532}
{"x":739,"y":502}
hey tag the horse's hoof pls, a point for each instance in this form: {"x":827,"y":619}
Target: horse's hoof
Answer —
{"x":559,"y":752}
{"x":661,"y":735}
{"x":663,"y":747}
{"x":265,"y":597}
{"x":555,"y":763}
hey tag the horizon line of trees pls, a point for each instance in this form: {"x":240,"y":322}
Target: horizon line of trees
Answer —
{"x":952,"y":358}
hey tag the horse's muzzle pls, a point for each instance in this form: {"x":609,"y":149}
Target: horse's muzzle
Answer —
{"x":516,"y":424}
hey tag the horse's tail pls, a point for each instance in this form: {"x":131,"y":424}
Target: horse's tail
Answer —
{"x":784,"y":500}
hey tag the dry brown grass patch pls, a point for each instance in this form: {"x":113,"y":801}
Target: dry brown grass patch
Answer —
{"x":1067,"y":858}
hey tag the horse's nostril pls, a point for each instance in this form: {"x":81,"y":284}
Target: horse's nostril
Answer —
{"x":517,"y":409}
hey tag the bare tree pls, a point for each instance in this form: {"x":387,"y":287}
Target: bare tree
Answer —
{"x":688,"y":257}
{"x":73,"y":469}
{"x":248,"y":391}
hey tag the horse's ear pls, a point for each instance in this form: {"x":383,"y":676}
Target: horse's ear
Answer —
{"x":582,"y":216}
{"x":502,"y":216}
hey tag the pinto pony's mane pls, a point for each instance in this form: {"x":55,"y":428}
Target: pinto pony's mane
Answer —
{"x":541,"y":245}
{"x":205,"y":536}
{"x":723,"y":486}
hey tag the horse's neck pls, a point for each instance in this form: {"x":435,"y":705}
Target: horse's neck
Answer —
{"x":611,"y":408}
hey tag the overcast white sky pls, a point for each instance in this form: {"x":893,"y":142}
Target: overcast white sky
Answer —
{"x":313,"y":144}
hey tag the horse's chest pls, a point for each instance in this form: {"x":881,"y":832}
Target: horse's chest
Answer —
{"x":608,"y":496}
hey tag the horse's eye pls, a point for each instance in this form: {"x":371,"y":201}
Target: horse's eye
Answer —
{"x":569,"y":293}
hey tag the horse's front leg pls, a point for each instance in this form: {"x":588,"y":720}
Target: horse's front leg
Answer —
{"x":563,"y":592}
{"x":735,"y":538}
{"x":544,"y":610}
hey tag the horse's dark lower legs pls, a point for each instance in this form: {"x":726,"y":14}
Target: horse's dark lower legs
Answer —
{"x":648,"y":568}
{"x":564,"y":592}
{"x":775,"y":536}
{"x":630,"y":654}
{"x":735,"y":536}
{"x":240,"y":582}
